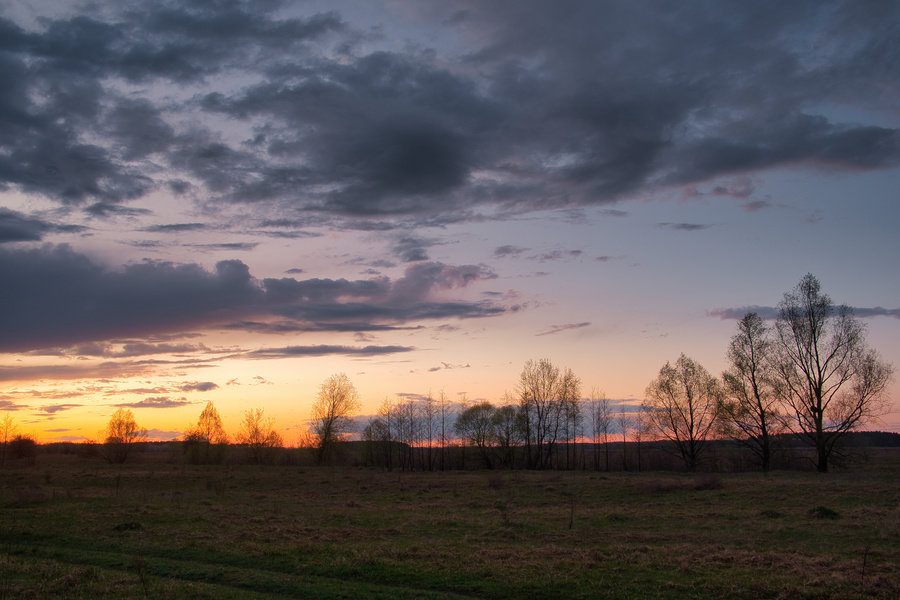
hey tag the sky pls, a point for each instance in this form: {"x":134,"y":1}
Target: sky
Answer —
{"x":231,"y":201}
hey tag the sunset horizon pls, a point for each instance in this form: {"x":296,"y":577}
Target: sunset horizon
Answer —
{"x":232,"y":203}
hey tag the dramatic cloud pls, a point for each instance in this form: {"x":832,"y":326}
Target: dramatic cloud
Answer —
{"x":53,"y":297}
{"x":530,"y":107}
{"x":16,"y":227}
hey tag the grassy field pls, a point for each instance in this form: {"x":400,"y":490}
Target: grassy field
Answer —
{"x":82,"y":529}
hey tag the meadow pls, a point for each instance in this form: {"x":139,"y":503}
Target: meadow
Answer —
{"x":77,"y":528}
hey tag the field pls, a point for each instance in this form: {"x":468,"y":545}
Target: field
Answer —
{"x":73,"y":528}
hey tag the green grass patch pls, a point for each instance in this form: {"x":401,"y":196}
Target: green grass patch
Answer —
{"x":76,"y":531}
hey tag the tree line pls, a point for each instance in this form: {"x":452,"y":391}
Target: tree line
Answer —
{"x":810,"y":374}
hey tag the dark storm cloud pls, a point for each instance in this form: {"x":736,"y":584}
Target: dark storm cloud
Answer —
{"x":54,"y":297}
{"x":683,"y":226}
{"x":585,"y":103}
{"x":16,"y":227}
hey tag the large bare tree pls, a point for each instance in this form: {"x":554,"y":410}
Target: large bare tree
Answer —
{"x":750,"y":410}
{"x":682,"y":406}
{"x":545,"y":394}
{"x":258,"y":434}
{"x":331,"y":412}
{"x":827,"y":374}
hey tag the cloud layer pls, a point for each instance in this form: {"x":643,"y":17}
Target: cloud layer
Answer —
{"x":53,"y":296}
{"x":525,"y":105}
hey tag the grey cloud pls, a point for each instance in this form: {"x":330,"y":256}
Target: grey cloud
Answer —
{"x":445,"y":366}
{"x":159,"y":402}
{"x":176,"y":227}
{"x":683,"y":226}
{"x":556,"y":255}
{"x":16,"y":227}
{"x":202,"y":386}
{"x":560,"y":328}
{"x":232,"y":246}
{"x":55,"y":297}
{"x":587,"y":105}
{"x":326,"y":350}
{"x":55,"y":408}
{"x":161,"y":434}
{"x":508,"y":250}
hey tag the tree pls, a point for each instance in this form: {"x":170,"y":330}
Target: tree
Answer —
{"x":750,"y":407}
{"x":475,"y":426}
{"x":542,"y":397}
{"x":827,"y":374}
{"x":122,"y":432}
{"x":506,"y":429}
{"x":7,"y":431}
{"x":206,"y":441}
{"x":682,"y":406}
{"x":258,"y":435}
{"x":331,"y":412}
{"x":601,"y":421}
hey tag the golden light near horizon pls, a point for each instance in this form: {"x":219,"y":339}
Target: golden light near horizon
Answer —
{"x":254,"y":209}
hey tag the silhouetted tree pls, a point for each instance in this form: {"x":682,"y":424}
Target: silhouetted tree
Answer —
{"x":475,"y":426}
{"x":543,"y":394}
{"x":826,"y":372}
{"x":601,"y":422}
{"x":682,"y":406}
{"x":259,"y":436}
{"x":122,"y":432}
{"x":7,"y":431}
{"x":506,"y":428}
{"x":331,"y":412}
{"x":206,"y":441}
{"x":750,"y":407}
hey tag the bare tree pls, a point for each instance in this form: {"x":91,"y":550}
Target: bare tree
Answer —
{"x":122,"y":432}
{"x":750,"y":407}
{"x":7,"y":432}
{"x":429,"y":428}
{"x":507,"y":429}
{"x":258,"y":435}
{"x":206,"y":441}
{"x":571,"y":415}
{"x":827,"y":374}
{"x":475,"y":426}
{"x":540,"y":406}
{"x":682,"y":406}
{"x":335,"y":404}
{"x":625,"y":421}
{"x":601,"y":421}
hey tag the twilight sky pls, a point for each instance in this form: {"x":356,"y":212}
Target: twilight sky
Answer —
{"x":231,"y":201}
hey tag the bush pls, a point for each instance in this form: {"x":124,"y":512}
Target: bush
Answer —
{"x":23,"y":447}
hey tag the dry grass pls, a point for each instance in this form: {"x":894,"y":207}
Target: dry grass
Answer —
{"x":175,"y":531}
